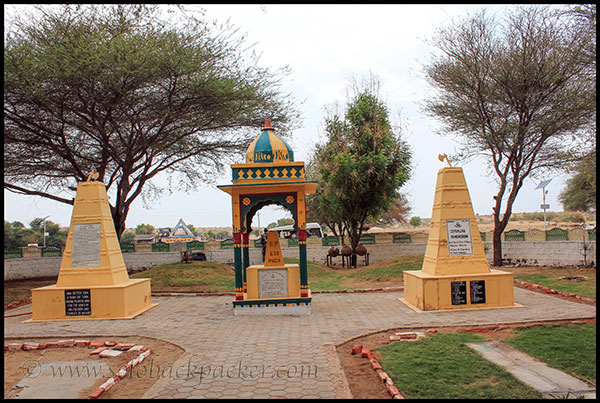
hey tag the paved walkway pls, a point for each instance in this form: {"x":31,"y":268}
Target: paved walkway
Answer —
{"x":548,"y":381}
{"x":231,"y":356}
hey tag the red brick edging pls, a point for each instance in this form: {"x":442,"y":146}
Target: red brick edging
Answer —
{"x":99,"y":347}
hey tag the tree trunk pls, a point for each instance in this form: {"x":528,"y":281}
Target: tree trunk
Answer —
{"x":497,"y":246}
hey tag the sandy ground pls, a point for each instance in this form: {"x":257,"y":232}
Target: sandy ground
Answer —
{"x":17,"y":364}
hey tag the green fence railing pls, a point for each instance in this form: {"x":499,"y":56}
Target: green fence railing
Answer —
{"x":367,"y":239}
{"x":514,"y":235}
{"x":13,"y":253}
{"x":227,"y":244}
{"x":51,"y":251}
{"x":557,"y":234}
{"x":401,"y":237}
{"x":330,"y":241}
{"x":127,"y":247}
{"x":160,"y":247}
{"x":292,"y":242}
{"x":592,"y":234}
{"x":195,"y":245}
{"x":482,"y":234}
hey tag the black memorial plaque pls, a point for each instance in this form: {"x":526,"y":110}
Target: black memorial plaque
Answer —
{"x":477,"y":291}
{"x":78,"y":302}
{"x":459,"y":292}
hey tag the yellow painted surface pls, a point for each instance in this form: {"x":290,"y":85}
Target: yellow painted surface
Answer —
{"x":122,"y":301}
{"x":112,"y":293}
{"x":430,"y":292}
{"x":273,"y":255}
{"x":452,"y":202}
{"x":430,"y":288}
{"x":293,"y":272}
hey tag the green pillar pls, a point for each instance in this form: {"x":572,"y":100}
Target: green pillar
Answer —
{"x":303,"y":264}
{"x":237,"y":260}
{"x":246,"y":258}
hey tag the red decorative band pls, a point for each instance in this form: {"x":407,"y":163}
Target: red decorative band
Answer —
{"x":302,"y":235}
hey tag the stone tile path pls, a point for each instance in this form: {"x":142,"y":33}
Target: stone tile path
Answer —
{"x":548,"y":381}
{"x":231,"y":356}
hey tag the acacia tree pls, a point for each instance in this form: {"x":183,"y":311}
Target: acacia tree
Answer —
{"x":121,"y":90}
{"x":515,"y":93}
{"x":362,"y":164}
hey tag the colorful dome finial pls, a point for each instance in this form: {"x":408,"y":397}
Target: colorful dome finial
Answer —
{"x":268,"y":124}
{"x":268,"y":148}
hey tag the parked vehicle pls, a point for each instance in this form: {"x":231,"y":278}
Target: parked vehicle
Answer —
{"x":288,"y":231}
{"x":199,"y":256}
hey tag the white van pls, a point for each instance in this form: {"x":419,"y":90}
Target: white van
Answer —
{"x":288,"y":231}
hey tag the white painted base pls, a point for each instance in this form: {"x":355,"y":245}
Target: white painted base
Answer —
{"x":295,"y":310}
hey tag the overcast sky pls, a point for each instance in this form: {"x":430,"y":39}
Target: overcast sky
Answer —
{"x":326,"y":46}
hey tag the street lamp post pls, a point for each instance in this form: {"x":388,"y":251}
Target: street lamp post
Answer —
{"x":544,"y":206}
{"x":44,"y":221}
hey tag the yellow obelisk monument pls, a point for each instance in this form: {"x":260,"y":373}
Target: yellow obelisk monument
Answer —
{"x":93,"y":282}
{"x":455,"y":272}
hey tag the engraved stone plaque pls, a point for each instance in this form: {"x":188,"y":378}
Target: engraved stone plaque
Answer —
{"x":459,"y":237}
{"x":86,"y":245}
{"x":78,"y":302}
{"x":459,"y":292}
{"x":272,"y":283}
{"x":477,"y":291}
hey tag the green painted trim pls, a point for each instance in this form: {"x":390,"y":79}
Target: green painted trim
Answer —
{"x":266,"y":302}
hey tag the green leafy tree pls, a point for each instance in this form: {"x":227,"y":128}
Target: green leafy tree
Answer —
{"x":131,"y":93}
{"x":580,"y":192}
{"x":516,"y":93}
{"x":362,"y":165}
{"x":415,"y":221}
{"x":280,"y":222}
{"x":127,"y":236}
{"x":17,"y":236}
{"x":144,"y":229}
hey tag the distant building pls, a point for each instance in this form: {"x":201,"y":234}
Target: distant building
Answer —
{"x":145,"y":238}
{"x":163,"y":232}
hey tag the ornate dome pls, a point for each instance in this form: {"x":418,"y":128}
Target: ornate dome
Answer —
{"x":268,"y":147}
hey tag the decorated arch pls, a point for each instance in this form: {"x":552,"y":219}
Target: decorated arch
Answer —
{"x":269,"y":176}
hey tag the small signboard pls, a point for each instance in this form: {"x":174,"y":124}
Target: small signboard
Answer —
{"x":477,"y":291}
{"x":459,"y":237}
{"x":459,"y":292}
{"x":545,"y":206}
{"x":78,"y":302}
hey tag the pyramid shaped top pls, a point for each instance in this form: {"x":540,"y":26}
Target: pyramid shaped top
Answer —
{"x":180,"y":233}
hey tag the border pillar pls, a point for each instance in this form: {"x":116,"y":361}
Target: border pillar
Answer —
{"x":303,"y":263}
{"x":245,"y":258}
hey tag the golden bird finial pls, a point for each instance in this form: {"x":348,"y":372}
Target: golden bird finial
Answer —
{"x":443,"y":157}
{"x":93,"y":176}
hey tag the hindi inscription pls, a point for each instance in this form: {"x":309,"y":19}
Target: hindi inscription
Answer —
{"x":86,"y":245}
{"x":272,"y":283}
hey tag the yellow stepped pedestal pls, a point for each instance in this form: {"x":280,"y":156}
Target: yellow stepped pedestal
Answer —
{"x":455,"y":272}
{"x":93,"y":282}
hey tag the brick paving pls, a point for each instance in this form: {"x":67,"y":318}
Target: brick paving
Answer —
{"x":231,"y":356}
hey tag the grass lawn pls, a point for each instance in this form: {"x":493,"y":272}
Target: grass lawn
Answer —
{"x":586,"y":288}
{"x":440,"y":366}
{"x":196,"y":276}
{"x":16,"y":290}
{"x":570,"y":348}
{"x":386,"y":273}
